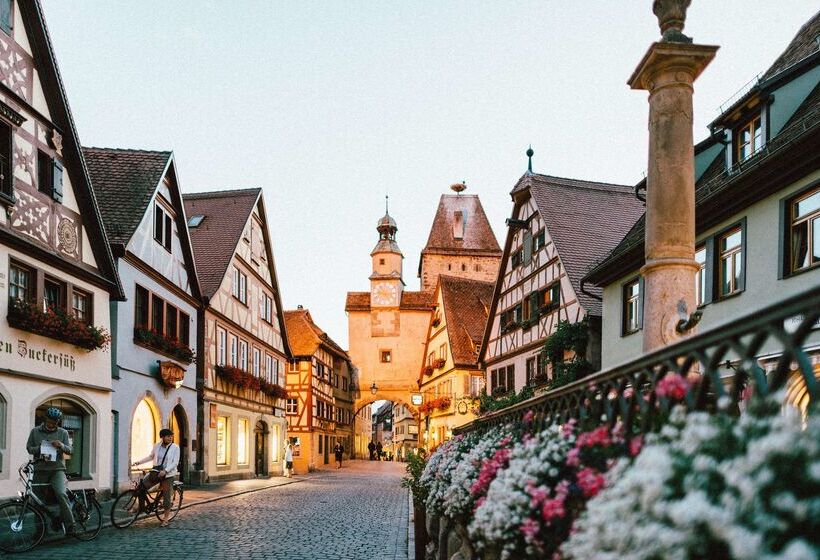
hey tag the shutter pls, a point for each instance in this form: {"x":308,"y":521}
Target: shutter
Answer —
{"x":533,"y":305}
{"x":168,"y":229}
{"x":57,"y":181}
{"x":641,"y":297}
{"x":527,"y":247}
{"x":741,"y":282}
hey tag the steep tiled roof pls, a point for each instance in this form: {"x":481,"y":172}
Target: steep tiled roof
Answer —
{"x":585,"y":220}
{"x":466,"y":305}
{"x":215,"y":239}
{"x":305,"y":336}
{"x":804,"y":44}
{"x":360,"y":301}
{"x":124,"y":182}
{"x":478,"y":235}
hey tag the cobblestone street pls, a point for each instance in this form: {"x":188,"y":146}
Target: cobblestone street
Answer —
{"x":359,"y":512}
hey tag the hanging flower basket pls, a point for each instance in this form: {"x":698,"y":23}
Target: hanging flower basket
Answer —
{"x":56,"y":324}
{"x":427,"y":370}
{"x":165,"y":344}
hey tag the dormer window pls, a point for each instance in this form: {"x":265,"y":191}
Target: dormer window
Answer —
{"x":748,"y":139}
{"x":458,"y":225}
{"x":194,"y":221}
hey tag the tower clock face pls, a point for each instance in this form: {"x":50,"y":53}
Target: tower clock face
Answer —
{"x":385,"y":294}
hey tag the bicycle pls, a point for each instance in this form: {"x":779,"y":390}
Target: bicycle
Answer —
{"x":127,"y":506}
{"x":22,"y":520}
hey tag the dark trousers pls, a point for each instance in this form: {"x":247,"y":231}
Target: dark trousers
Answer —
{"x":57,"y":481}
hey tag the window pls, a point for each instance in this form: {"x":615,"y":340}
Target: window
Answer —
{"x":266,"y":307}
{"x":171,"y":319}
{"x":292,"y":406}
{"x":442,"y":352}
{"x":386,"y":356}
{"x":157,"y":313}
{"x":234,"y":350}
{"x":223,"y":434}
{"x":518,"y":313}
{"x":517,"y":258}
{"x":632,"y":320}
{"x":242,"y":442}
{"x":730,"y":262}
{"x":7,"y":180}
{"x":538,"y":240}
{"x":141,"y":308}
{"x":239,"y":286}
{"x":194,"y":221}
{"x":269,"y":373}
{"x":80,"y":305}
{"x":44,"y":168}
{"x":221,"y":348}
{"x":77,"y":421}
{"x":243,"y":355}
{"x":257,"y":359}
{"x":381,"y":261}
{"x":5,"y":15}
{"x":476,"y":385}
{"x":550,"y":296}
{"x":162,"y":227}
{"x":530,"y":370}
{"x":184,"y":328}
{"x":748,"y":139}
{"x":143,"y":431}
{"x":804,"y":231}
{"x":20,"y":282}
{"x":503,"y":379}
{"x":700,"y":276}
{"x":54,"y":294}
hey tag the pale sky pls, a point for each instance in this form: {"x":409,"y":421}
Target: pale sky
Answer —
{"x":329,"y":106}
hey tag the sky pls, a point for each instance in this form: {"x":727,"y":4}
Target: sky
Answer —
{"x":330,"y":106}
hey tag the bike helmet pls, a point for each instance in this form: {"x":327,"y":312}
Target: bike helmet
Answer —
{"x":54,"y":413}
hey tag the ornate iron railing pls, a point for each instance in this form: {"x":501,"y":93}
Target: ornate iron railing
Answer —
{"x":724,"y":367}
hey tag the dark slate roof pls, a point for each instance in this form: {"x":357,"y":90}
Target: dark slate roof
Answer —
{"x":419,"y":301}
{"x":466,"y":306}
{"x":124,"y":182}
{"x":804,"y":44}
{"x":585,"y":220}
{"x":215,"y":239}
{"x":478,"y":235}
{"x":305,"y":336}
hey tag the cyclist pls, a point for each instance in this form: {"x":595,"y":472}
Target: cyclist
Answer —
{"x":51,"y":443}
{"x":165,"y":458}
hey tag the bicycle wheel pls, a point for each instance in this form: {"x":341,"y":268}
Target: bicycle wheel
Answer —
{"x":20,"y":528}
{"x":176,"y":503}
{"x":87,"y":520}
{"x":124,"y":511}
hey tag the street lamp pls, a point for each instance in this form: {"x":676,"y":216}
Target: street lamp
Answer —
{"x":373,"y":388}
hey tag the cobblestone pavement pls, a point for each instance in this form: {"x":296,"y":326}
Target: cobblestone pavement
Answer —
{"x":357,"y":513}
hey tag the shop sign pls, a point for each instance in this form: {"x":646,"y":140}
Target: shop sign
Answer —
{"x":172,"y":374}
{"x":213,"y":415}
{"x":38,"y":354}
{"x":416,"y":399}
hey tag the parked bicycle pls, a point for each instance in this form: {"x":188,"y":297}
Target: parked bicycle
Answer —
{"x":22,"y":520}
{"x":128,"y":505}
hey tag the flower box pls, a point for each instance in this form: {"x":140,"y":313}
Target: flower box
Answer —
{"x":439,"y":363}
{"x":245,"y":380}
{"x":56,"y":324}
{"x":170,"y":346}
{"x":438,"y":403}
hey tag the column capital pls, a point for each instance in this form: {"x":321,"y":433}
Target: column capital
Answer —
{"x":661,"y":57}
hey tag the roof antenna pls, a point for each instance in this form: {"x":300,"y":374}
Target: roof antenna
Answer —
{"x":386,"y":197}
{"x":530,"y":153}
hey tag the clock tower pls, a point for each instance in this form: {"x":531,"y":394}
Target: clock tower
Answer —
{"x":386,"y":283}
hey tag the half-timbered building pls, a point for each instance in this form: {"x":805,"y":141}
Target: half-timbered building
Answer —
{"x":154,"y":376}
{"x":241,"y":337}
{"x":56,"y":270}
{"x":451,"y":379}
{"x":319,"y":404}
{"x":757,"y":214}
{"x":558,"y":228}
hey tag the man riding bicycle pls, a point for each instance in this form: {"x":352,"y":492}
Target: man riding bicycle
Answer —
{"x":165,"y":458}
{"x":51,"y":443}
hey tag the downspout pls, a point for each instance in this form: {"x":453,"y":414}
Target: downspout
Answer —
{"x":200,"y":388}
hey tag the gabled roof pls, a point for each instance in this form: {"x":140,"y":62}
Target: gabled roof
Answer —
{"x":804,"y":44}
{"x":585,"y":220}
{"x":57,"y":101}
{"x":124,"y":182}
{"x":216,"y":238}
{"x":305,"y":336}
{"x":466,"y":306}
{"x":410,"y":301}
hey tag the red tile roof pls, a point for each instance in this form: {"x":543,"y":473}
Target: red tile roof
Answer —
{"x":215,"y":239}
{"x":466,"y":306}
{"x":305,"y":336}
{"x":478,"y":235}
{"x":585,"y":220}
{"x":124,"y":182}
{"x":360,"y":301}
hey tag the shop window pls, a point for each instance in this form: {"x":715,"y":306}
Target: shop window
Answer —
{"x":20,"y":282}
{"x":78,"y":424}
{"x":223,"y":434}
{"x":632,"y":307}
{"x":804,"y":231}
{"x":144,"y":431}
{"x":242,"y":442}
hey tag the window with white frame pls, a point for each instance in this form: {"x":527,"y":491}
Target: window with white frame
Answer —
{"x":163,"y":226}
{"x":632,"y":306}
{"x":243,"y":355}
{"x":269,"y":374}
{"x":234,"y":350}
{"x":239,"y":285}
{"x":266,"y":307}
{"x":221,"y":346}
{"x":804,"y":231}
{"x":292,"y":406}
{"x":257,"y":359}
{"x":730,"y":261}
{"x":700,"y":276}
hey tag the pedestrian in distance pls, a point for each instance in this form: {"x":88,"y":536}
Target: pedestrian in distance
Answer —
{"x":165,"y":458}
{"x":49,"y":444}
{"x":372,"y":448}
{"x":379,"y":450}
{"x":289,"y":460}
{"x":338,"y":451}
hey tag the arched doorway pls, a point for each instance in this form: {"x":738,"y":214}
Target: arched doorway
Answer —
{"x":77,"y":421}
{"x":260,"y":459}
{"x":144,"y":430}
{"x":179,"y":425}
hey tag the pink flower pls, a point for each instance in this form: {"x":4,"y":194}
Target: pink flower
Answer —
{"x":590,"y":481}
{"x":553,"y":509}
{"x":530,"y":528}
{"x":574,"y":457}
{"x":538,"y":495}
{"x":489,"y":468}
{"x":635,"y":445}
{"x":598,"y":436}
{"x":528,"y":416}
{"x":672,"y":386}
{"x":569,"y":428}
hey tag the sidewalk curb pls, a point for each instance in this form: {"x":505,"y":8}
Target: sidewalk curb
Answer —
{"x":411,"y":531}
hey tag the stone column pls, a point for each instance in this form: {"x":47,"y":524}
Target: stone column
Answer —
{"x":668,"y":71}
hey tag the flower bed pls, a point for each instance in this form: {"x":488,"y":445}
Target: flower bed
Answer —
{"x":168,"y":345}
{"x":56,"y":324}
